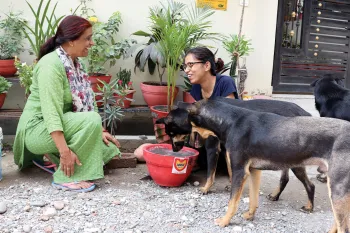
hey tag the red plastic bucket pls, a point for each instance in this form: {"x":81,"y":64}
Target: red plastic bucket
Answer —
{"x":169,"y":170}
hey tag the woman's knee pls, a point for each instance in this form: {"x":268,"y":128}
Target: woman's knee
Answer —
{"x":90,"y":119}
{"x":95,"y":118}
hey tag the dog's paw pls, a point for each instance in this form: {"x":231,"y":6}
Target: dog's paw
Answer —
{"x":322,"y":178}
{"x":306,"y":209}
{"x":248,"y":216}
{"x":222,"y":222}
{"x":204,"y":190}
{"x":272,"y":198}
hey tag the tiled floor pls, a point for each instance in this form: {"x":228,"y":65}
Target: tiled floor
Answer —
{"x":307,"y":102}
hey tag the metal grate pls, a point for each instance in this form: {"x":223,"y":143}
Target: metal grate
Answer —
{"x":314,"y":40}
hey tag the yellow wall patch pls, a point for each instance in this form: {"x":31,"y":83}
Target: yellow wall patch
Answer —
{"x":215,"y":4}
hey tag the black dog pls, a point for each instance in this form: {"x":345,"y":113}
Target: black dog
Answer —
{"x":331,"y":99}
{"x":258,"y":141}
{"x":179,"y":129}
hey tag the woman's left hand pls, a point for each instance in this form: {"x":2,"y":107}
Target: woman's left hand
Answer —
{"x":106,"y":137}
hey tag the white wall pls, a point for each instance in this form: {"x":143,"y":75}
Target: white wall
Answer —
{"x":259,"y":25}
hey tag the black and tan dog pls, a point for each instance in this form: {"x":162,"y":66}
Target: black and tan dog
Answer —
{"x":178,"y":129}
{"x":258,"y":141}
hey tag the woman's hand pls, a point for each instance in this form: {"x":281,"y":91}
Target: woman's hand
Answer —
{"x":67,"y":161}
{"x":106,"y":137}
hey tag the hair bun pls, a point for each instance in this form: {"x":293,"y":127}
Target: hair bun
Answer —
{"x":219,"y":64}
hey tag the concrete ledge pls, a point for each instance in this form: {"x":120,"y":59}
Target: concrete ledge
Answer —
{"x":136,"y":121}
{"x":307,"y":102}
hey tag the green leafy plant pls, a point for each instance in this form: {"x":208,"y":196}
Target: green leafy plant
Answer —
{"x":176,"y":34}
{"x":45,"y":25}
{"x":235,"y":44}
{"x":106,"y":47}
{"x":174,"y":13}
{"x":112,"y":110}
{"x":124,"y":79}
{"x":25,"y":74}
{"x":12,"y":36}
{"x":4,"y":85}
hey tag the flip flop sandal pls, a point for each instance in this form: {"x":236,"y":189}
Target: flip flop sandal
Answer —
{"x":65,"y":187}
{"x":46,"y":166}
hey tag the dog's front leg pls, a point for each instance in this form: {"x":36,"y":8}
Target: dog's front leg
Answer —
{"x":212,"y":147}
{"x":239,"y":176}
{"x":254,"y":186}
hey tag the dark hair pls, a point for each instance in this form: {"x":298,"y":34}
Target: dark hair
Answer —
{"x":71,"y":28}
{"x":204,"y":54}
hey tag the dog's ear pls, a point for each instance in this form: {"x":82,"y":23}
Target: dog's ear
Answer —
{"x":163,"y":120}
{"x":314,"y":82}
{"x":340,"y":81}
{"x":340,"y":78}
{"x":196,"y":119}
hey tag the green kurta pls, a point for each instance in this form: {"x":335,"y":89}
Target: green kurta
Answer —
{"x":48,"y":109}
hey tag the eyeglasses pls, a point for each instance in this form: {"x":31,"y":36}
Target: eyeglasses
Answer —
{"x":191,"y":64}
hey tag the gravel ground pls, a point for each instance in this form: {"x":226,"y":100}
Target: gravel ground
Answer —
{"x":124,"y":202}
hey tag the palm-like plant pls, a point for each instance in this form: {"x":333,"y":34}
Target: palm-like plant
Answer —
{"x":172,"y":13}
{"x":235,"y":44}
{"x":45,"y":25}
{"x":176,"y":34}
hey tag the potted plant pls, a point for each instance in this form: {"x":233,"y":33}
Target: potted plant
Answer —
{"x":175,"y":14}
{"x":25,"y":75}
{"x":154,"y":93}
{"x":124,"y":85}
{"x":175,"y":35}
{"x":236,"y":46}
{"x":10,"y":42}
{"x":106,"y":49}
{"x":4,"y":87}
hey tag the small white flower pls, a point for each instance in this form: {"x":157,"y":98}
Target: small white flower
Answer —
{"x":24,"y":64}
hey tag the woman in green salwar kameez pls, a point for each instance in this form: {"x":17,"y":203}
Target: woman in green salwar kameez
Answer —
{"x":60,"y":117}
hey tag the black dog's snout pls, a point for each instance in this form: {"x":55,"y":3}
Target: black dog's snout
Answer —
{"x":177,"y":146}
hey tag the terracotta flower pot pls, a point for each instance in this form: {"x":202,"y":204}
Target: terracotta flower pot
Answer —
{"x":160,"y":111}
{"x":154,"y":94}
{"x":2,"y":99}
{"x":127,"y":103}
{"x":187,"y":97}
{"x":95,"y":83}
{"x":168,"y":168}
{"x":7,"y":68}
